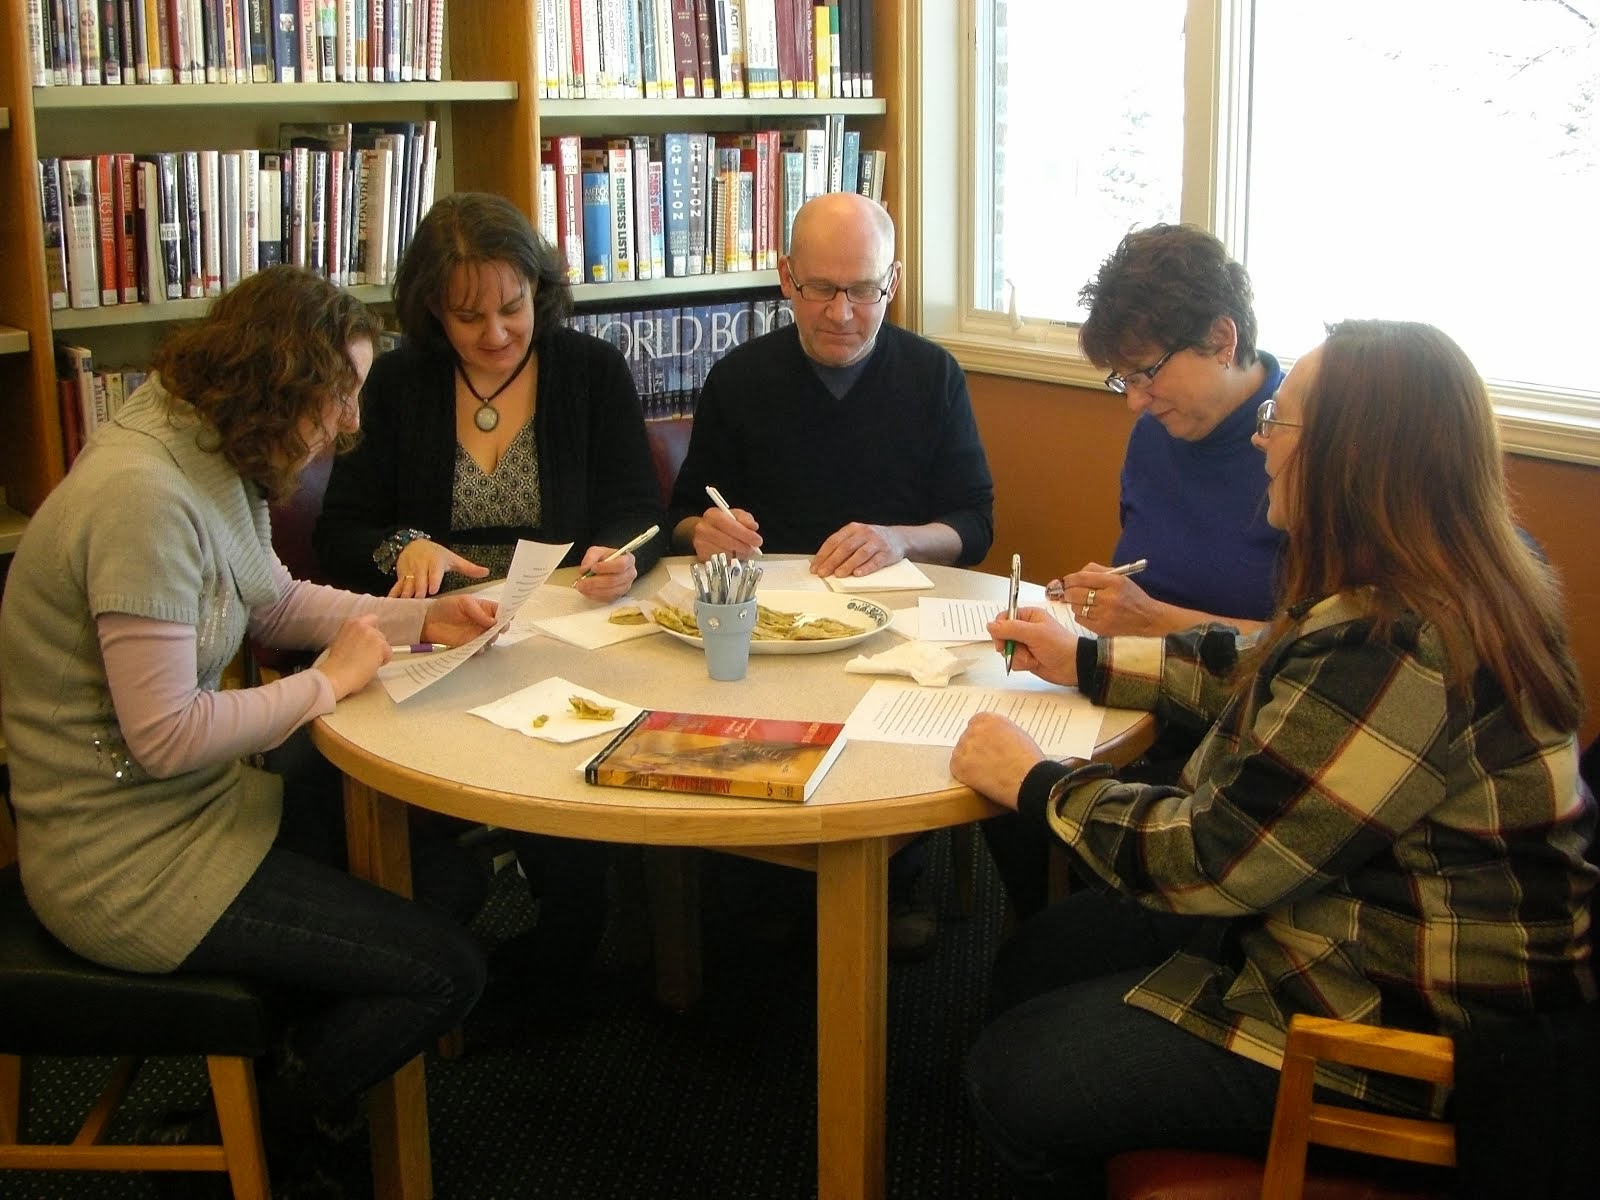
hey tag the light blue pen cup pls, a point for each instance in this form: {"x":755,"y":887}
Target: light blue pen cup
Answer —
{"x":725,"y":631}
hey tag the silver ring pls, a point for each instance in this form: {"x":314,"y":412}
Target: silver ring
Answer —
{"x":1089,"y":603}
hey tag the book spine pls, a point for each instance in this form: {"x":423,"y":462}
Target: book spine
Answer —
{"x":126,"y":219}
{"x":666,"y":51}
{"x":158,"y":41}
{"x":270,"y":215}
{"x":228,"y":168}
{"x":644,"y":266}
{"x":362,"y":40}
{"x":619,"y":166}
{"x":569,"y":171}
{"x":259,"y":40}
{"x":55,"y":244}
{"x":697,"y":193}
{"x":675,"y":201}
{"x":249,"y":212}
{"x":235,"y":53}
{"x":135,"y":54}
{"x":656,"y":188}
{"x":110,"y":48}
{"x":706,"y":47}
{"x":194,"y":271}
{"x":89,"y":60}
{"x":285,"y":41}
{"x":105,"y":210}
{"x":210,"y":222}
{"x":436,"y":40}
{"x":864,"y":9}
{"x":170,"y":208}
{"x":39,"y":69}
{"x":210,"y":35}
{"x":82,"y":232}
{"x":596,"y":227}
{"x":685,"y":48}
{"x":306,"y":26}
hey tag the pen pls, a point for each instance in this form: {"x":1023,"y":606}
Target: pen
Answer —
{"x":419,"y":648}
{"x":1055,"y":591}
{"x":628,"y":549}
{"x":716,"y":498}
{"x":1011,"y":606}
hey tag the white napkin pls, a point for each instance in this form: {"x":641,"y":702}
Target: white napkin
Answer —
{"x":593,"y":628}
{"x":903,"y":576}
{"x":549,"y":698}
{"x":929,"y":665}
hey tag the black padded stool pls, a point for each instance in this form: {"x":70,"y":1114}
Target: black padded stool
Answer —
{"x":58,"y":1004}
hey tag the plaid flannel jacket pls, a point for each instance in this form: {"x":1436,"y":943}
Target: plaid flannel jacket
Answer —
{"x":1378,"y":847}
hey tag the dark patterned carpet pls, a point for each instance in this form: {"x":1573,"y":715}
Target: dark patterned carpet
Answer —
{"x":631,"y":1102}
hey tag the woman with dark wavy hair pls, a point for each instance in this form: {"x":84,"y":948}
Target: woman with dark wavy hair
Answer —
{"x":147,"y":840}
{"x":1385,"y":822}
{"x":493,"y":422}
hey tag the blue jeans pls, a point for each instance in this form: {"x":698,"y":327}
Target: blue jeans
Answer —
{"x":1067,"y":1074}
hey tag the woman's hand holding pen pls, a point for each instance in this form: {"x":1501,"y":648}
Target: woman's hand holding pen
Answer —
{"x":1041,"y":645}
{"x":420,"y":568}
{"x":605,"y":578}
{"x":732,"y":532}
{"x":1107,"y":602}
{"x":354,"y":655}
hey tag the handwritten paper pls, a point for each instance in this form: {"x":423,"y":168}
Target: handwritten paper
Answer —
{"x":531,"y":565}
{"x":1062,"y":722}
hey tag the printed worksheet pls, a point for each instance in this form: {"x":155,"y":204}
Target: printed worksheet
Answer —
{"x":408,"y":674}
{"x":1062,"y":722}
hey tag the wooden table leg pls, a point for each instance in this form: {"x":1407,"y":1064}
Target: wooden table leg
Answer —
{"x":672,"y":880}
{"x":379,"y":844}
{"x":852,"y":1018}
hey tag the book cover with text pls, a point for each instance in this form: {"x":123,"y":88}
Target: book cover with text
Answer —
{"x":758,"y":757}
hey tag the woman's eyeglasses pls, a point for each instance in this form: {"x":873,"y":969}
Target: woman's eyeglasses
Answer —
{"x":1265,"y":419}
{"x":1143,"y":377}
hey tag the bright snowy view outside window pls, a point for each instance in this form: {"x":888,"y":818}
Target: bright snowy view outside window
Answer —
{"x":1437,"y":160}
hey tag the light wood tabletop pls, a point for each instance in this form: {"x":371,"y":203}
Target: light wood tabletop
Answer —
{"x":430,"y":752}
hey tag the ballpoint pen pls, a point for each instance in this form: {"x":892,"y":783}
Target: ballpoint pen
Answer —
{"x":1011,"y":606}
{"x":716,"y":498}
{"x":1055,"y":591}
{"x":419,"y":648}
{"x":628,"y":549}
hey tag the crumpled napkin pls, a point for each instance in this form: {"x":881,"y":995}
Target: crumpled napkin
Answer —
{"x":928,"y":664}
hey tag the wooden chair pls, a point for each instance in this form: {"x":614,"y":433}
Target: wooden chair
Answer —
{"x":60,"y":1005}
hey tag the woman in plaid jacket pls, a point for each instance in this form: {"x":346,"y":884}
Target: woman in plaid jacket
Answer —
{"x":1384,"y":823}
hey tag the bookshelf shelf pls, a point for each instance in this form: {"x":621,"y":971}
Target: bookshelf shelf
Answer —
{"x":699,"y":110}
{"x":12,"y":523}
{"x":673,"y":285}
{"x":172,"y":310}
{"x":257,"y":95}
{"x":13,"y":341}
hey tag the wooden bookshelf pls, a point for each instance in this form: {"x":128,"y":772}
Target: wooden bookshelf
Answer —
{"x":490,"y":119}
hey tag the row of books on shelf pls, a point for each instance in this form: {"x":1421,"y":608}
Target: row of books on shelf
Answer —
{"x":700,"y":49}
{"x":340,"y":199}
{"x":77,"y":42}
{"x":670,"y":348}
{"x":680,"y":204}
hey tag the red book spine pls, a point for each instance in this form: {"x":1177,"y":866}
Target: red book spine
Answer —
{"x":105,"y":193}
{"x":575,"y":22}
{"x":126,"y":218}
{"x":706,"y":48}
{"x":685,"y":48}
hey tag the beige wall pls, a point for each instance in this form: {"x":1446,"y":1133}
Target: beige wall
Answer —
{"x":1055,"y":452}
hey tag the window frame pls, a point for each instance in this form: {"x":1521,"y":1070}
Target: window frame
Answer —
{"x":949,"y":44}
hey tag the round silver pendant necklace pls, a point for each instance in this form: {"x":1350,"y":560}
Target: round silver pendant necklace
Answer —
{"x":487,"y":416}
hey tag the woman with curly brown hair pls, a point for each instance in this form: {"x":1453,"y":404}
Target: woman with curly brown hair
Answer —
{"x":147,"y":841}
{"x":1385,"y":822}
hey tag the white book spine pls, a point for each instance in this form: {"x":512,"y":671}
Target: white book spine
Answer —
{"x":82,"y":232}
{"x":347,"y":41}
{"x":228,"y":166}
{"x":249,"y":212}
{"x":89,"y":39}
{"x":211,"y":220}
{"x":38,"y":58}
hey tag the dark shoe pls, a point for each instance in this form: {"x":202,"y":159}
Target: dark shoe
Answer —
{"x":913,"y":929}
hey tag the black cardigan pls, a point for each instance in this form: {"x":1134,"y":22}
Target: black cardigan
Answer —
{"x":597,"y":485}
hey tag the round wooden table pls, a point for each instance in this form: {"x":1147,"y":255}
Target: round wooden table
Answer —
{"x":430,"y":752}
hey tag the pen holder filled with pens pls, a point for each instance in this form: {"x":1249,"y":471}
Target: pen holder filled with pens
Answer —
{"x":725,"y":611}
{"x":726,"y":629}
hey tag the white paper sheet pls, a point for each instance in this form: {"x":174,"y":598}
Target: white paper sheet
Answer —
{"x":1062,"y":722}
{"x":955,"y":621}
{"x":551,"y":699}
{"x":779,"y":575}
{"x":903,"y":576}
{"x":531,"y":565}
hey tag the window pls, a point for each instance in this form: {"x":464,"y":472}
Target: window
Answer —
{"x":1437,"y":160}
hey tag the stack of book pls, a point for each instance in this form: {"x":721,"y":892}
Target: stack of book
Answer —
{"x":340,"y":199}
{"x":88,"y":397}
{"x":680,"y":204}
{"x":669,"y":349}
{"x":78,"y":42}
{"x":700,"y":49}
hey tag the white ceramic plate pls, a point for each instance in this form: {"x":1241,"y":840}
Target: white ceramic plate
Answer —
{"x":853,"y":610}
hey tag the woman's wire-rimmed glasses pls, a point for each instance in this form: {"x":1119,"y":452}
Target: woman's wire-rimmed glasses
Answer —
{"x":1265,"y":419}
{"x":1142,"y":377}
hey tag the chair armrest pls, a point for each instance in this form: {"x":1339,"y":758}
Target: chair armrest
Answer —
{"x":1425,"y":1056}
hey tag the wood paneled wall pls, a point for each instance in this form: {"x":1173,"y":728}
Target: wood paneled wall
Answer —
{"x":1056,"y":451}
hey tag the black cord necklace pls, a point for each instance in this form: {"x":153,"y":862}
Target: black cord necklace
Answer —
{"x":487,"y":417}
